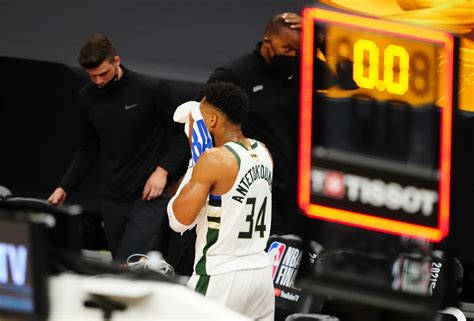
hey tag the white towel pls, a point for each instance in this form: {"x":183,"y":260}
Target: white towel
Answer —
{"x":200,"y":141}
{"x":200,"y":137}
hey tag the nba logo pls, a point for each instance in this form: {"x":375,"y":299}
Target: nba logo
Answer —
{"x":275,"y":251}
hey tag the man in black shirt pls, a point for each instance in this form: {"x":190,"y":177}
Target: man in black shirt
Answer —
{"x":128,"y":118}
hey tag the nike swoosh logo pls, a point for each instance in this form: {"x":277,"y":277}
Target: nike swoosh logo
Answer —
{"x":130,"y":107}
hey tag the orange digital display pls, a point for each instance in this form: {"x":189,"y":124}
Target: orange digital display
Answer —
{"x":375,"y":147}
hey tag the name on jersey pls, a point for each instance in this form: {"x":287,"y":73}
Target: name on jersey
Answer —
{"x":255,"y":173}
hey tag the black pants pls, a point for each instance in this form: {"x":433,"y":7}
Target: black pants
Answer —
{"x":135,"y":227}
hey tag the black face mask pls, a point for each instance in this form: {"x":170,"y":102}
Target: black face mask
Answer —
{"x":112,"y":84}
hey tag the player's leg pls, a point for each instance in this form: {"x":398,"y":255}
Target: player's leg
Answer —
{"x":256,"y":286}
{"x":199,"y":283}
{"x":146,"y":228}
{"x":193,"y":281}
{"x":249,"y":292}
{"x":215,"y":287}
{"x":262,"y":306}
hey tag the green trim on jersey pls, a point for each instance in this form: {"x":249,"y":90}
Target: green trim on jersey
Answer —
{"x":252,"y":146}
{"x":235,"y":154}
{"x":211,"y":239}
{"x":213,"y":219}
{"x":202,"y":284}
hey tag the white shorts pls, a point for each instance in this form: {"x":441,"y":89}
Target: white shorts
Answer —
{"x":249,"y":292}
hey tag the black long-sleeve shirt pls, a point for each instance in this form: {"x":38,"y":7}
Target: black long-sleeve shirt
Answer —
{"x":132,"y":126}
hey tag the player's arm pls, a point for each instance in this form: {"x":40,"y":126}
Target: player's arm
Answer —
{"x":193,"y":196}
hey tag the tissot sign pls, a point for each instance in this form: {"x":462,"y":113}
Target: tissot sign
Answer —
{"x":378,"y":109}
{"x":388,"y":195}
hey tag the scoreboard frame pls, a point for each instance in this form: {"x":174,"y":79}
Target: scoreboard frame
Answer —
{"x":358,"y":219}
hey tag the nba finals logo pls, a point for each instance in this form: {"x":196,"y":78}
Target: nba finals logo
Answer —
{"x":275,"y":251}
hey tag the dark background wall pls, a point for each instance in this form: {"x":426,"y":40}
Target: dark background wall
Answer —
{"x":171,"y":39}
{"x":180,"y":42}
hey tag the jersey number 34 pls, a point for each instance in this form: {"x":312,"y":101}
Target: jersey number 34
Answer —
{"x":260,"y":222}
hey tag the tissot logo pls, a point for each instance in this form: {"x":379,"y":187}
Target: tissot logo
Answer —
{"x":334,"y":185}
{"x":373,"y":192}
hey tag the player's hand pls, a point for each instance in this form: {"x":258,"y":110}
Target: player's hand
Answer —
{"x":155,"y":184}
{"x":292,"y":19}
{"x":58,"y":197}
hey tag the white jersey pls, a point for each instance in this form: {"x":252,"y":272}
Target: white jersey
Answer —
{"x":233,"y":231}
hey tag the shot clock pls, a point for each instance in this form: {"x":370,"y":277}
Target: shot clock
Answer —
{"x":375,"y":149}
{"x":386,"y":66}
{"x":375,"y":158}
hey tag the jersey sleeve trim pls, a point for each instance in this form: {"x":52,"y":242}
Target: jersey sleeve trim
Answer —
{"x":235,"y":154}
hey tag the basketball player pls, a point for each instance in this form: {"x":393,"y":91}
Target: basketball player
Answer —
{"x":229,"y":199}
